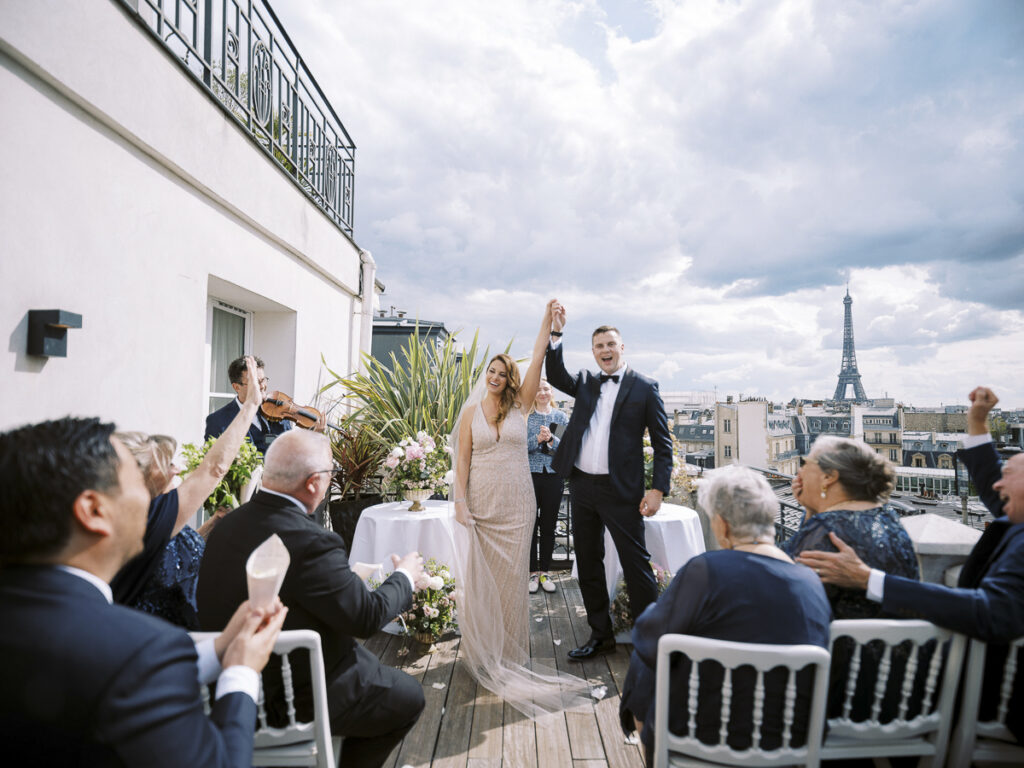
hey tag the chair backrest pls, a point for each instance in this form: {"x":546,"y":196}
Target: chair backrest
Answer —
{"x":971,"y":725}
{"x":915,"y":667}
{"x":731,"y":656}
{"x":317,"y":731}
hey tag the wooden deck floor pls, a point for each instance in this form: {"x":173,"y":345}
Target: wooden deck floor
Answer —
{"x":468,"y":727}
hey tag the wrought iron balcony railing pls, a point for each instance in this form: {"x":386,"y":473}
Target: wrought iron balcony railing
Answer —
{"x":239,"y":52}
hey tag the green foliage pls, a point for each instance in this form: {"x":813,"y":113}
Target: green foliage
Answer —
{"x":229,"y":489}
{"x":421,"y":393}
{"x":622,"y":619}
{"x":358,"y":452}
{"x":998,"y":427}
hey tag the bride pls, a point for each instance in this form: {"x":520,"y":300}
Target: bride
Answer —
{"x":495,"y":505}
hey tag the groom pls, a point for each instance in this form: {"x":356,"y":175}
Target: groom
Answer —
{"x":602,"y":455}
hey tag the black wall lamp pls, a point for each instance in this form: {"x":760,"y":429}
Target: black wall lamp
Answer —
{"x":48,"y":331}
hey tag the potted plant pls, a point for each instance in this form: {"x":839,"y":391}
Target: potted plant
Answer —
{"x":622,"y":620}
{"x":433,"y":605}
{"x":358,"y":453}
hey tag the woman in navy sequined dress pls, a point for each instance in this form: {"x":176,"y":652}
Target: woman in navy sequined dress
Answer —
{"x":843,"y":484}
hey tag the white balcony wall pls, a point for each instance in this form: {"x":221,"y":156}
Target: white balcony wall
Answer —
{"x":130,"y":197}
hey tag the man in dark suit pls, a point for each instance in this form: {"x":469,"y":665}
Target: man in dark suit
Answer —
{"x":371,"y":705}
{"x":602,"y":455}
{"x":261,"y":432}
{"x":988,"y":602}
{"x":83,"y":681}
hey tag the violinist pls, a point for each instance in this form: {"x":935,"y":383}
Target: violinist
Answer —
{"x":262,"y":431}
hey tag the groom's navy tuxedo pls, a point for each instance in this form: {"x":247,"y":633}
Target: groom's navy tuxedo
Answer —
{"x":84,"y":682}
{"x":612,"y":500}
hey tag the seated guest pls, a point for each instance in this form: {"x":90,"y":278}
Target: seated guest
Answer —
{"x":170,"y":592}
{"x":843,"y":484}
{"x":371,"y":705}
{"x":168,"y":512}
{"x":84,"y":681}
{"x":747,"y":592}
{"x":988,"y":602}
{"x":261,"y":431}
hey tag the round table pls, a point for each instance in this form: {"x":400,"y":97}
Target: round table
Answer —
{"x":673,"y":536}
{"x":386,"y":529}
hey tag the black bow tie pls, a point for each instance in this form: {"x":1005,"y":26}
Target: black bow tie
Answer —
{"x":609,"y":377}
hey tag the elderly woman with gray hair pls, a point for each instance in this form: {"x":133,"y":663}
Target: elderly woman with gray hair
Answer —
{"x":748,"y":591}
{"x":843,"y":486}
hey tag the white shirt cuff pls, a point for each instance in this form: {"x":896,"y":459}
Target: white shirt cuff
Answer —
{"x":973,"y":441}
{"x":555,"y":341}
{"x":876,"y":585}
{"x":408,"y":576}
{"x":208,"y":664}
{"x":239,"y":679}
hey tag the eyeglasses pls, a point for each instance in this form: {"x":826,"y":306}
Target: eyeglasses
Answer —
{"x":333,"y":471}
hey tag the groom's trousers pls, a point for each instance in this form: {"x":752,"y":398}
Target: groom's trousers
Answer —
{"x":596,"y":506}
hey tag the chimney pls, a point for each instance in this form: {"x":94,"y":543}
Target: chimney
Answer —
{"x":728,"y":399}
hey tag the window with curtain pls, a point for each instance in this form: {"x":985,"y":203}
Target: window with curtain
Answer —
{"x":227,"y":343}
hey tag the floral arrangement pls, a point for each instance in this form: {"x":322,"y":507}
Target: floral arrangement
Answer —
{"x":228,"y":491}
{"x":681,"y":482}
{"x":420,"y":463}
{"x":433,"y":603}
{"x":622,"y":621}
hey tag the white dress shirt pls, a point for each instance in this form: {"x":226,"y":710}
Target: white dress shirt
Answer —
{"x":593,"y":458}
{"x":236,"y":679}
{"x":876,"y":581}
{"x":255,"y":417}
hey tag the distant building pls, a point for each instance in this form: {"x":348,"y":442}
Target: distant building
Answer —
{"x":392,"y":331}
{"x":935,"y":419}
{"x":752,"y":433}
{"x":930,"y":450}
{"x":695,"y":438}
{"x":880,"y":428}
{"x":810,"y":422}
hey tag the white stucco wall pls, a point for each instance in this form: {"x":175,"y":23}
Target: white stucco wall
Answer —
{"x":129,"y":197}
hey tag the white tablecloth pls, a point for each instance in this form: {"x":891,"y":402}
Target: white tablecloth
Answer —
{"x":673,"y":535}
{"x":386,"y":529}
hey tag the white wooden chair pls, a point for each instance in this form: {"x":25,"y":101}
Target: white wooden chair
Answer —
{"x":297,"y":743}
{"x":988,"y":740}
{"x":922,"y":720}
{"x":673,"y":750}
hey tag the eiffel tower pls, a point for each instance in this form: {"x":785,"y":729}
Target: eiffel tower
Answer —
{"x":849,"y":376}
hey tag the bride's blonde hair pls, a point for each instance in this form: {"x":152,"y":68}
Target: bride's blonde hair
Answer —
{"x":509,"y":395}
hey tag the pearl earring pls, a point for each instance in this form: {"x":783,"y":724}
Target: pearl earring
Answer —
{"x":823,"y":492}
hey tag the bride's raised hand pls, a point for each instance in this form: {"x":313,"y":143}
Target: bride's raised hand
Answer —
{"x":462,"y":514}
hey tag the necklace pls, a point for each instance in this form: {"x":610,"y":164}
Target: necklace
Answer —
{"x":753,"y":543}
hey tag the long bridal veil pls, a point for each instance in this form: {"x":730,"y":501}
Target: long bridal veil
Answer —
{"x":532,"y":687}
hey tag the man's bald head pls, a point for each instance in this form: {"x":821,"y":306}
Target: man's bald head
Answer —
{"x":292,"y":458}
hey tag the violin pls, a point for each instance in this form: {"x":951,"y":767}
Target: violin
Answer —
{"x":278,"y":406}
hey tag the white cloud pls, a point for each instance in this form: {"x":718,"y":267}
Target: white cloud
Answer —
{"x":704,"y":175}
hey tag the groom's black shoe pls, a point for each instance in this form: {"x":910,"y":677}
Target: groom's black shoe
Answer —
{"x":591,"y":649}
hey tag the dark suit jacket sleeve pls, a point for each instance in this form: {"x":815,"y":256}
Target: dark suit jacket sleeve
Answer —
{"x":554,"y":368}
{"x":985,"y":469}
{"x":994,"y":612}
{"x":676,"y":610}
{"x":339,"y":598}
{"x":153,"y":714}
{"x":661,"y":440}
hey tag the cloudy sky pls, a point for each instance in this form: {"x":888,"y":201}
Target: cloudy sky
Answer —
{"x":705,"y":175}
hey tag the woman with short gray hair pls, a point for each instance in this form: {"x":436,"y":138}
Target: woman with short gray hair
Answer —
{"x":749,"y":592}
{"x":843,"y":485}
